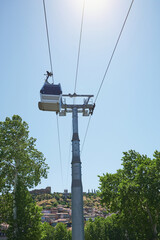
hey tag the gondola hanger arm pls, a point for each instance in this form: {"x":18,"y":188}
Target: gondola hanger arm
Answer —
{"x":48,"y":74}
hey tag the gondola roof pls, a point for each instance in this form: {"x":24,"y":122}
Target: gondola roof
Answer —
{"x":51,"y":89}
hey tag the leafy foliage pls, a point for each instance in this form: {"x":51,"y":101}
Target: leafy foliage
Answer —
{"x":21,"y":167}
{"x":18,"y":154}
{"x":27,"y":225}
{"x":104,"y":229}
{"x":48,"y":231}
{"x":59,"y":232}
{"x":6,"y":207}
{"x":134,"y":193}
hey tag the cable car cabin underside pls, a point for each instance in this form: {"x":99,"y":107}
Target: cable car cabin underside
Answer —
{"x":49,"y":106}
{"x":51,"y":97}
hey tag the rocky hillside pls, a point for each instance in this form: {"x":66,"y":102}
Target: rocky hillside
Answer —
{"x":48,"y":201}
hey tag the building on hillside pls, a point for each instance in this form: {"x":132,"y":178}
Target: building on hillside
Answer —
{"x":44,"y":211}
{"x":67,"y":210}
{"x":48,"y":217}
{"x":65,"y":193}
{"x":65,"y":221}
{"x":47,"y":190}
{"x":92,"y":191}
{"x":60,"y":208}
{"x":62,"y":215}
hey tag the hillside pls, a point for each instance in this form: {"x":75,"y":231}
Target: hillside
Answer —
{"x":49,"y":201}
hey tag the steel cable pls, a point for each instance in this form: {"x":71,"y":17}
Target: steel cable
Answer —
{"x":106,"y":71}
{"x":51,"y":65}
{"x":109,"y":63}
{"x":79,"y":47}
{"x":49,"y":49}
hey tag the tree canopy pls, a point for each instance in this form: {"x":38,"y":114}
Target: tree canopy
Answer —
{"x":27,"y":225}
{"x":59,"y":232}
{"x":18,"y":155}
{"x":104,"y":229}
{"x":134,"y":193}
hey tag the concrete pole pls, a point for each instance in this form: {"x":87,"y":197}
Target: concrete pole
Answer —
{"x":77,"y":192}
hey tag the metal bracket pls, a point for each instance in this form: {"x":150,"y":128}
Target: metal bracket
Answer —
{"x":86,"y":108}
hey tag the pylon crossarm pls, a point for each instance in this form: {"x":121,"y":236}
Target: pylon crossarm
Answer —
{"x":85,"y":109}
{"x":78,"y":106}
{"x":77,"y":95}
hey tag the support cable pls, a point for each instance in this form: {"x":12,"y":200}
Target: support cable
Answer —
{"x":60,"y":153}
{"x":79,"y":48}
{"x":49,"y":49}
{"x":85,"y":134}
{"x":76,"y":76}
{"x":106,"y":71}
{"x":109,"y":63}
{"x":51,"y":65}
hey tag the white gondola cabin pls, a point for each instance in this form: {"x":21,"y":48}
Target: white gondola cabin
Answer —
{"x":51,"y":97}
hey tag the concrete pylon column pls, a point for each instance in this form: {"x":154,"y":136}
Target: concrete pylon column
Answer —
{"x":77,"y":192}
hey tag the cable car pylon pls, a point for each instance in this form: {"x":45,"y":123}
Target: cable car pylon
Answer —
{"x":52,"y":99}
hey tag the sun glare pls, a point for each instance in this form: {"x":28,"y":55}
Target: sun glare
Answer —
{"x":93,"y":8}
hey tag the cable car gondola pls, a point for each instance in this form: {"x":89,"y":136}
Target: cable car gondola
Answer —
{"x":51,"y":97}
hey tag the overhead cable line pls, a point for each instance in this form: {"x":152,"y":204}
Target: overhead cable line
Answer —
{"x":77,"y":66}
{"x":76,"y":76}
{"x":49,"y":49}
{"x":85,"y":134}
{"x":79,"y":47}
{"x":109,"y":63}
{"x":51,"y":65}
{"x":106,"y":71}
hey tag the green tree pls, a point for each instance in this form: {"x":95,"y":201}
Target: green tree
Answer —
{"x":48,"y":232}
{"x":69,"y":235}
{"x":104,"y":229}
{"x":133,"y":193}
{"x":113,"y":229}
{"x":6,"y":207}
{"x":95,"y":230}
{"x":19,"y":156}
{"x":19,"y":159}
{"x":90,"y":230}
{"x":61,"y":232}
{"x":28,"y":222}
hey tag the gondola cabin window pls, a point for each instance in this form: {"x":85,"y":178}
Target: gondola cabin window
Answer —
{"x":51,"y":97}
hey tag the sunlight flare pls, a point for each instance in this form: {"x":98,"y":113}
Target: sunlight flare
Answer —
{"x":93,"y":8}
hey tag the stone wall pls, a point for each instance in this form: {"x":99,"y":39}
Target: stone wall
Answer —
{"x":46,"y":190}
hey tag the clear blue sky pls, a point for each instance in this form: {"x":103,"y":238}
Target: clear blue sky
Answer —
{"x":127,"y":114}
